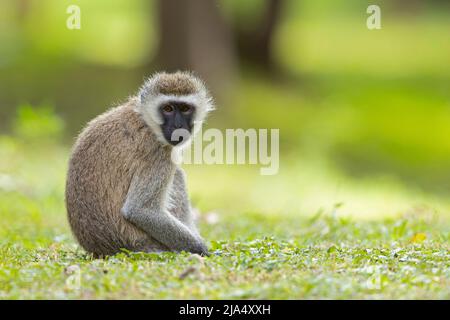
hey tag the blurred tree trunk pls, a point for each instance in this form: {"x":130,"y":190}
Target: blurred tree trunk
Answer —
{"x":408,"y":6}
{"x":255,"y":46}
{"x":22,"y":9}
{"x":194,"y":36}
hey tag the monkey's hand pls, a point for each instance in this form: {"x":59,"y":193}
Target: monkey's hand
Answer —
{"x":165,"y":228}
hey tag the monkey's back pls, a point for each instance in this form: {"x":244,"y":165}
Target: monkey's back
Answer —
{"x":105,"y":156}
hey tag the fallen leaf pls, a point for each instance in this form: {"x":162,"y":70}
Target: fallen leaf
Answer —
{"x":187,"y":272}
{"x":418,"y":237}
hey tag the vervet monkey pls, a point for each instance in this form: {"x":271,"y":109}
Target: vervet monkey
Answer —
{"x":123,"y":189}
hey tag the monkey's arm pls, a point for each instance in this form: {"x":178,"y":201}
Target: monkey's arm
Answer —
{"x":181,"y":207}
{"x":144,"y":207}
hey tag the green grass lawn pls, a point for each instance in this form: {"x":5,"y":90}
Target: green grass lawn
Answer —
{"x":325,"y":258}
{"x":256,"y":254}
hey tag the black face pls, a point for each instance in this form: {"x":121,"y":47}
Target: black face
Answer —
{"x":176,"y":115}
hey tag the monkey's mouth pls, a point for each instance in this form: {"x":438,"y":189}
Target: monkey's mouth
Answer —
{"x":177,"y":136}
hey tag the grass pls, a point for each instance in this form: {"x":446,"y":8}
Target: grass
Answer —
{"x":256,"y":254}
{"x":324,"y":257}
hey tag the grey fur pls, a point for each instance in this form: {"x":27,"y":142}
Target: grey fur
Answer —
{"x":123,"y":190}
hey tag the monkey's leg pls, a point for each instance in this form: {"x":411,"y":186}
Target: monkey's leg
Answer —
{"x":145,"y":208}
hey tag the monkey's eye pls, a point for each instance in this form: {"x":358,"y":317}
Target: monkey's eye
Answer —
{"x":167,"y":108}
{"x":185,"y":108}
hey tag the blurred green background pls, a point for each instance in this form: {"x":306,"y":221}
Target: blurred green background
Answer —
{"x":363,"y":114}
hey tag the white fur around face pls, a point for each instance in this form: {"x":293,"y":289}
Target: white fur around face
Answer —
{"x":149,"y":109}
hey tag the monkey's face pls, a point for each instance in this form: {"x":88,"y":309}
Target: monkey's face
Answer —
{"x":174,"y":106}
{"x":177,"y":121}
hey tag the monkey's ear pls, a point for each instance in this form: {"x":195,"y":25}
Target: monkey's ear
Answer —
{"x":142,"y":95}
